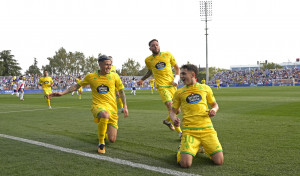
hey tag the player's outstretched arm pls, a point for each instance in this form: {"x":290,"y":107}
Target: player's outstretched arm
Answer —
{"x":175,"y":120}
{"x":123,"y":98}
{"x":69,"y":90}
{"x":147,"y":75}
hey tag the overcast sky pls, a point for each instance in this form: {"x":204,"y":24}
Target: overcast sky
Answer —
{"x":241,"y":32}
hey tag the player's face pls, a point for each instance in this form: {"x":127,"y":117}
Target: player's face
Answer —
{"x":155,"y":48}
{"x":105,"y":66}
{"x":45,"y":73}
{"x":186,"y":77}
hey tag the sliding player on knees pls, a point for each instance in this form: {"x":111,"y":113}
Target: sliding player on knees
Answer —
{"x":197,"y":128}
{"x":104,"y":85}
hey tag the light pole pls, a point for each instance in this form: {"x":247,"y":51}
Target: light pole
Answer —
{"x":205,"y":12}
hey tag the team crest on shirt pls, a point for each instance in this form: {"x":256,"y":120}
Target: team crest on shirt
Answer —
{"x":193,"y":98}
{"x":103,"y":89}
{"x":46,"y":82}
{"x":160,"y":65}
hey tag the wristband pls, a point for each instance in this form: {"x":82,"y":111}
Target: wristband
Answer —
{"x":176,"y":79}
{"x":214,"y":109}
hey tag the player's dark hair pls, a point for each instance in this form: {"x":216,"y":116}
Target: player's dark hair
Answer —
{"x":191,"y":67}
{"x":152,"y":41}
{"x":102,"y":58}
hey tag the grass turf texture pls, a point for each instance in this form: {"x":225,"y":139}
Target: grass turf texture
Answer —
{"x":258,"y":128}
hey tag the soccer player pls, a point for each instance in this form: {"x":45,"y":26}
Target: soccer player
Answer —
{"x":46,"y":82}
{"x":114,"y":70}
{"x":196,"y":122}
{"x":152,"y":81}
{"x":203,"y":81}
{"x":79,"y":91}
{"x":21,"y":86}
{"x":104,"y":84}
{"x":133,"y":86}
{"x":160,"y":65}
{"x":14,"y":84}
{"x":218,"y":81}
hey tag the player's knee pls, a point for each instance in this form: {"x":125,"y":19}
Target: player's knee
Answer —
{"x":104,"y":114}
{"x":218,"y":159}
{"x":112,"y":139}
{"x":185,"y":163}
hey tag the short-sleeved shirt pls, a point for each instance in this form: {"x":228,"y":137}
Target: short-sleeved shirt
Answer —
{"x":46,"y":82}
{"x":161,"y":66}
{"x":193,"y":101}
{"x":103,"y":88}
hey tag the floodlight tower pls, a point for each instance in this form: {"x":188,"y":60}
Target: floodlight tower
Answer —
{"x":205,"y":14}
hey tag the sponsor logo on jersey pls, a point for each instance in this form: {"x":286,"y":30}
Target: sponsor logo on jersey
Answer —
{"x":160,"y":65}
{"x":193,"y":98}
{"x":103,"y":89}
{"x":46,"y":82}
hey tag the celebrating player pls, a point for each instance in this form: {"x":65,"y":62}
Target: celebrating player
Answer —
{"x":196,"y":123}
{"x":160,"y":65}
{"x":46,"y":82}
{"x":104,"y":84}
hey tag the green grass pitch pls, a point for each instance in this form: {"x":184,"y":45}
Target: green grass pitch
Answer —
{"x":258,"y":127}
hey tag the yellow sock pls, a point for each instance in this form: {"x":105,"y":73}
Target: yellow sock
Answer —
{"x":79,"y":96}
{"x":48,"y":102}
{"x":178,"y":156}
{"x":120,"y":102}
{"x":151,"y":90}
{"x":178,"y":129}
{"x":102,"y":127}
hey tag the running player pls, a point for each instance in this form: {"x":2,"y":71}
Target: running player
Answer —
{"x":160,"y":65}
{"x":196,"y":122}
{"x":46,"y":82}
{"x":114,"y":70}
{"x":133,"y":86}
{"x":104,"y":84}
{"x":152,"y":81}
{"x":218,"y":83}
{"x":21,"y":87}
{"x":14,"y":84}
{"x":79,"y":91}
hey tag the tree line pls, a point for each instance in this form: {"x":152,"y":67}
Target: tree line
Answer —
{"x":76,"y":63}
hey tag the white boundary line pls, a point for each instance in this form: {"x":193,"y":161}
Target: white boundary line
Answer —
{"x":45,"y":109}
{"x":100,"y":157}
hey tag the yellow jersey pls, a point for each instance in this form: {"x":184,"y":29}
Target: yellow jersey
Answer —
{"x":203,"y":81}
{"x":152,"y":82}
{"x":218,"y":81}
{"x":113,"y":69}
{"x":161,"y":66}
{"x":193,"y":101}
{"x":103,"y":88}
{"x":46,"y":82}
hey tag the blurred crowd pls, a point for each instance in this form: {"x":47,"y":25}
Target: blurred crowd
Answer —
{"x":255,"y":77}
{"x":228,"y":77}
{"x":60,"y":82}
